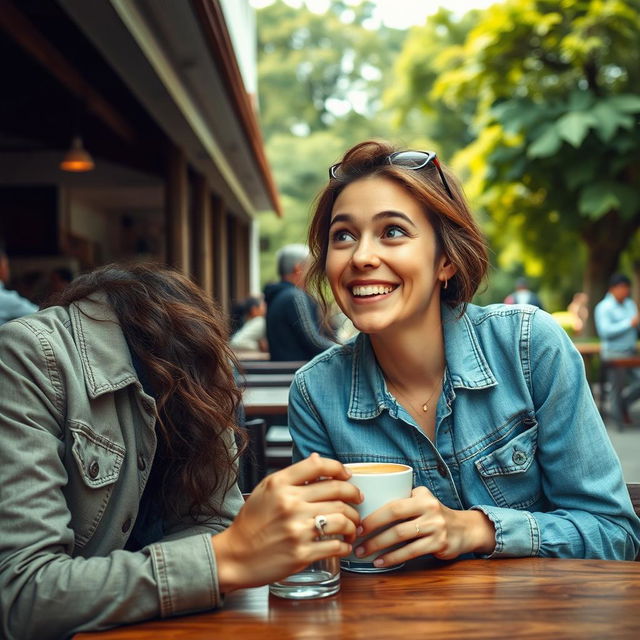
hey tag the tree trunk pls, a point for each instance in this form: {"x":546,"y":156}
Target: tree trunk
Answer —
{"x":606,"y":239}
{"x":635,"y":288}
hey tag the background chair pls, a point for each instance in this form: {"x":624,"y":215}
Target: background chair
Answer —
{"x":252,"y":465}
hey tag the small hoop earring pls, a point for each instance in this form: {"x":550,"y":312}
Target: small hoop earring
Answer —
{"x":446,"y":283}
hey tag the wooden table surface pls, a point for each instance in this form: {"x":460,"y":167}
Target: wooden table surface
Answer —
{"x":262,"y":401}
{"x":588,"y":348}
{"x":491,"y":599}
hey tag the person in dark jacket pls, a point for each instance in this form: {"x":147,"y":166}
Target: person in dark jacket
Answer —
{"x":293,"y":321}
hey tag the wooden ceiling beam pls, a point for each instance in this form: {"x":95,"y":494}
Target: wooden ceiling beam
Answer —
{"x":18,"y":27}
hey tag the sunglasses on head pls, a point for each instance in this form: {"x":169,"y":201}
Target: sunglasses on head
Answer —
{"x":413,"y":160}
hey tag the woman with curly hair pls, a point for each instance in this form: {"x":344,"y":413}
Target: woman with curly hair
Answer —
{"x":118,"y":499}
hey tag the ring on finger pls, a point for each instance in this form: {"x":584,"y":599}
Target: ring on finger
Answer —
{"x":418,"y":531}
{"x":320,"y":522}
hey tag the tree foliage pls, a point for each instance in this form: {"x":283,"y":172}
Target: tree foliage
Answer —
{"x":550,"y":94}
{"x":321,"y":79}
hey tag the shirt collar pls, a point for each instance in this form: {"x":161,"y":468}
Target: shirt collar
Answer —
{"x":104,"y":353}
{"x":466,"y":364}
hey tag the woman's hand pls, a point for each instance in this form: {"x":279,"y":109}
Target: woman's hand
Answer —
{"x":425,"y":526}
{"x":274,"y":534}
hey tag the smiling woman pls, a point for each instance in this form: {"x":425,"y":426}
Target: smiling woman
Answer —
{"x":489,"y":405}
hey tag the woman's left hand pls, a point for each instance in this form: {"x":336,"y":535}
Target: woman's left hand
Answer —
{"x":425,"y":526}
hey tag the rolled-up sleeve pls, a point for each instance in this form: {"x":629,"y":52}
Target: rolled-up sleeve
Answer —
{"x":591,"y":514}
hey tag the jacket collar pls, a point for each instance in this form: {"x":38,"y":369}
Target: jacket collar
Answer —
{"x":104,"y":353}
{"x":467,"y":367}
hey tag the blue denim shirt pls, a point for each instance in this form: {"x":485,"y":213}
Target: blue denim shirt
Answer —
{"x":518,"y":435}
{"x":613,"y":323}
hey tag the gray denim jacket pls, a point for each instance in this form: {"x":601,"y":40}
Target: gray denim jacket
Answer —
{"x":77,"y":444}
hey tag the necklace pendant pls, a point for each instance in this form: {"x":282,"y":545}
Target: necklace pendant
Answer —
{"x":425,"y":407}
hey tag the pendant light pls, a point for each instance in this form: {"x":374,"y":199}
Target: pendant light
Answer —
{"x":77,"y":159}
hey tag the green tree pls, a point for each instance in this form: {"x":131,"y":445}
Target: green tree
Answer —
{"x":555,"y":158}
{"x":429,"y":51}
{"x":321,"y":79}
{"x":317,"y":69}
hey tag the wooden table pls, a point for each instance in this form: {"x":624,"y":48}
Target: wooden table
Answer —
{"x":265,"y":401}
{"x":267,"y":380}
{"x":491,"y":599}
{"x":271,"y":366}
{"x":588,"y":349}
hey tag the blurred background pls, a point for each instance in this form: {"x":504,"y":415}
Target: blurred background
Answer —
{"x":210,"y":125}
{"x":535,"y":104}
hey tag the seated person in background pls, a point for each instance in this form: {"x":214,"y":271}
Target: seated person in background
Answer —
{"x":489,"y":405}
{"x":118,"y":464}
{"x":252,"y":333}
{"x":616,"y":318}
{"x":523,"y":295}
{"x":12,"y":304}
{"x":293,"y":324}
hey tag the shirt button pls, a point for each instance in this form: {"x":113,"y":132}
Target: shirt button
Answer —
{"x":442,"y":469}
{"x":142,"y":465}
{"x":94,"y":469}
{"x":519,"y":457}
{"x":126,"y":525}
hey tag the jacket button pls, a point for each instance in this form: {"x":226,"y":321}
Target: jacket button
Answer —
{"x":519,"y":457}
{"x":442,"y":470}
{"x":94,"y":469}
{"x":142,"y":465}
{"x":126,"y":525}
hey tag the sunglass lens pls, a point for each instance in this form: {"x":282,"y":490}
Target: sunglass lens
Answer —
{"x":335,"y":172}
{"x":411,"y":159}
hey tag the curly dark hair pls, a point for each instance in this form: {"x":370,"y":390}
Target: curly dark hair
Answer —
{"x":457,"y":233}
{"x":180,"y":336}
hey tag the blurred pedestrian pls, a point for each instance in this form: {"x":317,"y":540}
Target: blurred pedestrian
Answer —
{"x":523,"y":295}
{"x":617,"y":320}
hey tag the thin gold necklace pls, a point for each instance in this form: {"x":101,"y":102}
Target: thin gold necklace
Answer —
{"x":426,"y":405}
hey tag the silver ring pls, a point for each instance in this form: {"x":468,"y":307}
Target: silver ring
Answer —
{"x":320,"y":522}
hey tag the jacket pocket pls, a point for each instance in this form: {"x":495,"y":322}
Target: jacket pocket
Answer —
{"x":98,"y":459}
{"x":511,"y":473}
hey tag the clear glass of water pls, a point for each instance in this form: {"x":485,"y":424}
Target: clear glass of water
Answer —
{"x":319,"y":580}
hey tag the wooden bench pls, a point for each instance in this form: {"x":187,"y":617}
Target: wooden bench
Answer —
{"x":269,"y":367}
{"x":266,"y":379}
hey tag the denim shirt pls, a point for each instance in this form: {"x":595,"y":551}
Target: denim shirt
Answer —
{"x":518,"y":435}
{"x":613,"y":323}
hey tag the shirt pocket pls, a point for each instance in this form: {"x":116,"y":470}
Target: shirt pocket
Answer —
{"x":511,"y":473}
{"x":98,"y":462}
{"x":98,"y":459}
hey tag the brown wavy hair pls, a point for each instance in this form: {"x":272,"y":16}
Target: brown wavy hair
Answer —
{"x":180,"y":336}
{"x":457,"y":233}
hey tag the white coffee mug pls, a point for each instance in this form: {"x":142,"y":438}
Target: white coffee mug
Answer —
{"x":380,"y":482}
